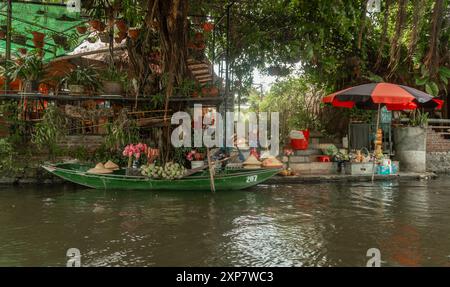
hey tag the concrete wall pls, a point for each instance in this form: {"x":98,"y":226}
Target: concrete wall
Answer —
{"x":410,"y":148}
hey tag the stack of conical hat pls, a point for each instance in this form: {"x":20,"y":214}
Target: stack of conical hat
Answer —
{"x":111,"y":165}
{"x":252,"y":162}
{"x":272,"y":162}
{"x":99,"y":169}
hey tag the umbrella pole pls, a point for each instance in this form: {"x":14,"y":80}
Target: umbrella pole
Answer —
{"x":375,"y":142}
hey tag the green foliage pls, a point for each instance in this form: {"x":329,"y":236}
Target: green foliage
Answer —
{"x":7,"y":157}
{"x":113,"y":75}
{"x":29,"y":68}
{"x":297,"y":101}
{"x":186,"y":88}
{"x":11,"y":112}
{"x":85,"y":76}
{"x":121,"y":132}
{"x":418,"y":119}
{"x":103,"y":154}
{"x":50,"y":130}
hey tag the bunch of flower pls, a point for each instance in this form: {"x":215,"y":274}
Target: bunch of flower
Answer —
{"x":134,"y":150}
{"x":194,"y":155}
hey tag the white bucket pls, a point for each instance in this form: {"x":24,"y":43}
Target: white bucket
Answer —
{"x":197,"y":163}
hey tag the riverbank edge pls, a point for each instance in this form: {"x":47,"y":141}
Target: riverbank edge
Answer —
{"x":317,"y":178}
{"x":40,"y":176}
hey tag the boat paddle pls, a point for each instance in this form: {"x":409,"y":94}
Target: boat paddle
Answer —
{"x":211,"y":170}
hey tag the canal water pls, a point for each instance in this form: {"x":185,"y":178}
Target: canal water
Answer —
{"x":329,"y":224}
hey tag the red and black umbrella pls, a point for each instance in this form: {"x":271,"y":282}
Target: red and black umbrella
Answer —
{"x":394,"y":97}
{"x":373,"y":96}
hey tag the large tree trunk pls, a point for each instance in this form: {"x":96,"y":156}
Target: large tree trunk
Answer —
{"x":432,"y":57}
{"x":169,"y":18}
{"x":395,"y":44}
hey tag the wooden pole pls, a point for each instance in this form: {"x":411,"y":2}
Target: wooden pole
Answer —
{"x":211,"y":170}
{"x":375,"y":141}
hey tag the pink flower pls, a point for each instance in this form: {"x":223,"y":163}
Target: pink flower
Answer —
{"x":137,"y":155}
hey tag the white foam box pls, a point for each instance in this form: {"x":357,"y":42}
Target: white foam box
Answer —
{"x":359,"y":168}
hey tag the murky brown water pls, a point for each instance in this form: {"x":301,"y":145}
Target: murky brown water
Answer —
{"x":297,"y":225}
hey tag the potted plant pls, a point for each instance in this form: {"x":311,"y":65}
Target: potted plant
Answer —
{"x":38,"y":39}
{"x":60,"y":40}
{"x":81,"y":29}
{"x":133,"y":33}
{"x":113,"y":80}
{"x":187,"y":88}
{"x":97,"y":25}
{"x":22,"y":51}
{"x":121,"y":25}
{"x":19,"y":39}
{"x":81,"y":79}
{"x":214,"y":91}
{"x":29,"y":69}
{"x":208,"y":26}
{"x":120,"y":37}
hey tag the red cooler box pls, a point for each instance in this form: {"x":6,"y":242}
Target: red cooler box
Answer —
{"x":299,"y":139}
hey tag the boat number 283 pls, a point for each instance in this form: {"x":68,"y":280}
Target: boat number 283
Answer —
{"x":252,"y":178}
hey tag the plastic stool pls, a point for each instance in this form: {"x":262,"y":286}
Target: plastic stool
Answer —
{"x":323,"y":158}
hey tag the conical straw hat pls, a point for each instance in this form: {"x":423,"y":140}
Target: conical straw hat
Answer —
{"x":99,"y":169}
{"x":111,"y":165}
{"x":251,"y":160}
{"x":272,"y":161}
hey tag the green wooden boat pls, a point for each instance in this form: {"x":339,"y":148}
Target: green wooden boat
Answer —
{"x":225,"y":180}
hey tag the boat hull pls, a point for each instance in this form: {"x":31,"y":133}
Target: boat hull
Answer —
{"x":231,"y":181}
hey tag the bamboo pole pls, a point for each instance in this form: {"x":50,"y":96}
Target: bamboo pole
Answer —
{"x":211,"y":170}
{"x":375,"y":142}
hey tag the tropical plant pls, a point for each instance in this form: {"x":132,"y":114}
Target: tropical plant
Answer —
{"x":121,"y":132}
{"x":85,"y":76}
{"x":29,"y":67}
{"x":8,"y":158}
{"x":49,"y":131}
{"x":114,"y":75}
{"x":418,"y":119}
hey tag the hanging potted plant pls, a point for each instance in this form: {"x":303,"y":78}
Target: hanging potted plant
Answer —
{"x":97,"y":25}
{"x":59,"y":40}
{"x":133,"y":33}
{"x":82,"y":79}
{"x":121,"y":25}
{"x":113,"y":80}
{"x":38,"y":39}
{"x":19,"y":39}
{"x":22,"y":51}
{"x":120,"y":37}
{"x":81,"y":29}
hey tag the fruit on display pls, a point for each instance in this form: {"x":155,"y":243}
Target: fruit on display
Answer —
{"x":169,"y":171}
